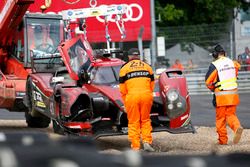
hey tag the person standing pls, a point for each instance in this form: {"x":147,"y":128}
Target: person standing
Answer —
{"x":178,"y":65}
{"x":243,"y":59}
{"x":221,"y":79}
{"x":136,"y":87}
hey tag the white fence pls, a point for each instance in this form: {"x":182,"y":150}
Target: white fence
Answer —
{"x":196,"y":82}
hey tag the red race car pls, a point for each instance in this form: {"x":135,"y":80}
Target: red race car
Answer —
{"x":78,"y":89}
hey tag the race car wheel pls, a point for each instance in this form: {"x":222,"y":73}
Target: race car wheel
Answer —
{"x":38,"y":121}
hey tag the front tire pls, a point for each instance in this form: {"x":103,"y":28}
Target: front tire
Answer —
{"x":38,"y":121}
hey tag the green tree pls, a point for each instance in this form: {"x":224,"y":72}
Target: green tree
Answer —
{"x":191,"y":12}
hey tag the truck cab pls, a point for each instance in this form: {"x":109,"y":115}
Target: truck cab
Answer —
{"x":37,"y":34}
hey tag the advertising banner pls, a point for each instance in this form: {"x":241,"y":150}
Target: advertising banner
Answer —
{"x":161,"y":46}
{"x":137,"y":16}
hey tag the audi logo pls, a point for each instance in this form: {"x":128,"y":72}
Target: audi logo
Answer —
{"x":71,"y":2}
{"x":129,"y":15}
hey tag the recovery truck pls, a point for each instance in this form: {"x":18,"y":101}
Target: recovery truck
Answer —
{"x":21,"y":31}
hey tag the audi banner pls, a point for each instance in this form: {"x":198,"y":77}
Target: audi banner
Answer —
{"x":136,"y":17}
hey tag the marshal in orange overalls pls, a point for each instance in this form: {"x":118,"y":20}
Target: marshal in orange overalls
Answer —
{"x":136,"y":87}
{"x":221,"y":79}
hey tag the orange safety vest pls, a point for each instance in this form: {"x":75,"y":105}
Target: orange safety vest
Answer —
{"x":222,"y":80}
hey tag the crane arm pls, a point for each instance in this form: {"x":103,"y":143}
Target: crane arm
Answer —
{"x":10,"y":17}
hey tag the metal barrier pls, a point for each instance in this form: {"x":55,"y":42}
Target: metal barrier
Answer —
{"x":196,"y":82}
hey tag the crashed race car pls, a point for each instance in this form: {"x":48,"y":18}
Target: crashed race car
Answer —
{"x":78,"y":89}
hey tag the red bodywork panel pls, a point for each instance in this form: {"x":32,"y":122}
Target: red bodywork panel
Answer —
{"x":69,"y":96}
{"x":42,"y":81}
{"x":167,"y":83}
{"x":78,"y":125}
{"x":177,"y":82}
{"x":63,"y":49}
{"x":180,"y":121}
{"x":113,"y":93}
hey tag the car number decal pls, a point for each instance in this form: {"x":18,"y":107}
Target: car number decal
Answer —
{"x":38,"y":99}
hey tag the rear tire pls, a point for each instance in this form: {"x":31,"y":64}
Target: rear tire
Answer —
{"x":38,"y":121}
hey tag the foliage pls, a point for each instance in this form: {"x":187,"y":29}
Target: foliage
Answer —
{"x":191,"y":12}
{"x":189,"y":21}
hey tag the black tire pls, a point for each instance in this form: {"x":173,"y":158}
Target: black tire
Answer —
{"x":36,"y":122}
{"x":39,"y":121}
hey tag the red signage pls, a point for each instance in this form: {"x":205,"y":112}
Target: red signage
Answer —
{"x":137,"y":16}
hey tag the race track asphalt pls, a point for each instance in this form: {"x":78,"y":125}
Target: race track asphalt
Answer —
{"x":203,"y":112}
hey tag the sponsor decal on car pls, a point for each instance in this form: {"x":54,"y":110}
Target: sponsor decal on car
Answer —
{"x":38,"y":99}
{"x":40,"y":104}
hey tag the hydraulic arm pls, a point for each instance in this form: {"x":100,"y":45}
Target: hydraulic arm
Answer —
{"x":10,"y":17}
